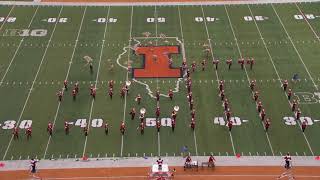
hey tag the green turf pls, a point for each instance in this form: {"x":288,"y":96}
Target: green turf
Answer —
{"x":105,"y":41}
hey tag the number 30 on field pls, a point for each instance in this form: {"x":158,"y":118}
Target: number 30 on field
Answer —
{"x":24,"y":124}
{"x":291,"y":121}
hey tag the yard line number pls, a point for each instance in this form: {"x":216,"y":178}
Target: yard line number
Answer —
{"x":256,"y":18}
{"x":207,"y":19}
{"x":9,"y":19}
{"x":291,"y":121}
{"x":106,"y":20}
{"x":236,"y":121}
{"x":10,"y":124}
{"x":158,"y":20}
{"x":165,"y":122}
{"x":54,"y":20}
{"x":307,"y":16}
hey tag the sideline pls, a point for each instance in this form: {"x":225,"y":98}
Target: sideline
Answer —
{"x":245,"y":161}
{"x":146,"y":2}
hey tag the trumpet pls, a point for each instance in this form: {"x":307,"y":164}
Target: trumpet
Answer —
{"x":143,"y":111}
{"x":176,"y":108}
{"x":128,"y":83}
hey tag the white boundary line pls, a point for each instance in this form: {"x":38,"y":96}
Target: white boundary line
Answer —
{"x":158,"y":103}
{"x":289,"y":37}
{"x":248,"y":79}
{"x":67,"y":75}
{"x":152,"y":3}
{"x":279,"y":78}
{"x":216,"y":72}
{"x":33,"y":82}
{"x":16,"y":52}
{"x":127,"y":77}
{"x":184,"y":57}
{"x":97,"y":77}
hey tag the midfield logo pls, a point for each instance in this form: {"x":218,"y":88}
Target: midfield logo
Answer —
{"x":157,"y":63}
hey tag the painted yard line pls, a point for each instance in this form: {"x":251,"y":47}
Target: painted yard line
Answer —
{"x":158,"y":104}
{"x":271,"y":59}
{"x":211,"y":50}
{"x":67,"y":75}
{"x":127,"y":77}
{"x":33,"y":82}
{"x":248,"y":79}
{"x":294,"y":46}
{"x":184,"y":57}
{"x":97,"y":77}
{"x":306,"y":19}
{"x":16,"y":52}
{"x":5,"y":20}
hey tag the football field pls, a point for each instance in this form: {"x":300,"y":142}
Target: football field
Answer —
{"x":41,"y":46}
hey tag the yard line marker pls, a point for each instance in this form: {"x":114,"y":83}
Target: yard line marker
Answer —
{"x":33,"y":82}
{"x":183,"y":50}
{"x":275,"y":69}
{"x":248,"y":79}
{"x":21,"y":41}
{"x":217,"y":76}
{"x":127,"y":76}
{"x":158,"y":104}
{"x":96,"y":82}
{"x":294,"y":46}
{"x":67,"y":75}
